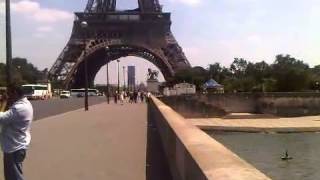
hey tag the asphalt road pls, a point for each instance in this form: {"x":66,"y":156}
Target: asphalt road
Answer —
{"x":47,"y":108}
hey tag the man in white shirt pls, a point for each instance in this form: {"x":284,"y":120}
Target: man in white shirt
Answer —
{"x":15,"y":135}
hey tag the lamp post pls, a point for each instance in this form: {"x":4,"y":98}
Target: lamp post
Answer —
{"x":84,"y":26}
{"x":118,"y":75}
{"x":8,"y":43}
{"x":108,"y":89}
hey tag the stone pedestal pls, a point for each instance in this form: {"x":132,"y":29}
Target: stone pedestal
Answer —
{"x":153,"y":86}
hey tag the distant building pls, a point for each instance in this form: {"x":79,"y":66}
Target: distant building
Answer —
{"x":180,"y":89}
{"x":131,"y":77}
{"x":211,"y":86}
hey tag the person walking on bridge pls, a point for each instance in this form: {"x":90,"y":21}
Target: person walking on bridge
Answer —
{"x":122,"y":97}
{"x":116,"y":97}
{"x":15,"y":135}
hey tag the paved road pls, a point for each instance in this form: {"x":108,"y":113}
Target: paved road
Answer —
{"x":47,"y":108}
{"x":108,"y":142}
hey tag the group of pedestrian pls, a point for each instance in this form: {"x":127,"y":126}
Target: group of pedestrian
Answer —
{"x":131,"y":97}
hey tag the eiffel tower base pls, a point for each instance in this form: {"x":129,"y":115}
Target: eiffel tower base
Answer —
{"x":112,"y":35}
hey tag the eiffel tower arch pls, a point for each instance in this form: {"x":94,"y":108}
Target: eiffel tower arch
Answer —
{"x":111,"y":34}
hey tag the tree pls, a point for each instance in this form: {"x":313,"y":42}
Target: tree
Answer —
{"x":290,"y":74}
{"x":22,"y":72}
{"x":215,"y":71}
{"x":315,"y":78}
{"x":27,"y":70}
{"x":238,"y":67}
{"x":196,"y":75}
{"x":2,"y":75}
{"x":285,"y":74}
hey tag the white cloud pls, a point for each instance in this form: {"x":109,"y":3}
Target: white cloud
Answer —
{"x":188,"y":2}
{"x":25,"y":6}
{"x":37,"y":13}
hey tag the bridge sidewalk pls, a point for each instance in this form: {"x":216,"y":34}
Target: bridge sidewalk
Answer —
{"x":108,"y":142}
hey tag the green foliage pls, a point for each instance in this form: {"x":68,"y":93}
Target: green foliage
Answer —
{"x":2,"y":75}
{"x":196,"y":75}
{"x":291,"y":74}
{"x":269,"y":85}
{"x":285,"y":74}
{"x":22,"y":72}
{"x":238,"y":67}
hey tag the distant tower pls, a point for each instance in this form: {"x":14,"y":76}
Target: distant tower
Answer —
{"x":131,"y":77}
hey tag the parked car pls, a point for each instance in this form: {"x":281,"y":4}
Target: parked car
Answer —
{"x":65,"y":94}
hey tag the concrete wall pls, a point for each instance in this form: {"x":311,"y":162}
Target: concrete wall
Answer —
{"x":282,"y":104}
{"x":190,"y":107}
{"x":290,"y":104}
{"x":194,"y":155}
{"x":231,"y":102}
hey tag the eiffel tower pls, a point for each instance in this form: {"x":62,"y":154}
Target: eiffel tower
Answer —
{"x":111,"y":34}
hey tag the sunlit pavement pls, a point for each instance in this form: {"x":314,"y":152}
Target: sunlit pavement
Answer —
{"x":108,"y":142}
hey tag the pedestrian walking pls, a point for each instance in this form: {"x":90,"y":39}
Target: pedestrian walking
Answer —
{"x":15,"y":135}
{"x":116,"y":97}
{"x":142,"y":97}
{"x":139,"y":96}
{"x":122,"y":97}
{"x":135,"y":97}
{"x":148,"y":96}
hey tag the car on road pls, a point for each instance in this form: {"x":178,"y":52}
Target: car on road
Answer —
{"x":65,"y":94}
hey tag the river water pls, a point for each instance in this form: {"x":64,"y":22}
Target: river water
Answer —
{"x":264,"y":151}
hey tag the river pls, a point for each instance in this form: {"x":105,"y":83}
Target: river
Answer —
{"x":264,"y":151}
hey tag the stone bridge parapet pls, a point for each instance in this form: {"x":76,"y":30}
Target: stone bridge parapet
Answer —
{"x":194,"y":155}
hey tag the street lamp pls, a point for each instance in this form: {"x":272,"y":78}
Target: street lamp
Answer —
{"x":84,"y":26}
{"x":118,"y":75}
{"x":8,"y":43}
{"x":108,"y":89}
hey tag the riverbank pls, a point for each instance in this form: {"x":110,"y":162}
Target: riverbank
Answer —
{"x":265,"y":125}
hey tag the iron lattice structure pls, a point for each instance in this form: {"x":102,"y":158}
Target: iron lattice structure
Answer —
{"x":111,"y":34}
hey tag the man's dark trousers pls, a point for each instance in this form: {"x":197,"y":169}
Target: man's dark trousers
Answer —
{"x":13,"y":165}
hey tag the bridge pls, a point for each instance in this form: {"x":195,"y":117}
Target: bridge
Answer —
{"x":133,"y":141}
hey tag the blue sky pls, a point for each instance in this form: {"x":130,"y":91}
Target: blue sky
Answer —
{"x":208,"y":30}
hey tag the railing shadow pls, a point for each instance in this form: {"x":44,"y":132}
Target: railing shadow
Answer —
{"x":157,"y":167}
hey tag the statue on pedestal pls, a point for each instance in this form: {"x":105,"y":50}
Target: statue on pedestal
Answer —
{"x":153,"y":75}
{"x":153,"y":83}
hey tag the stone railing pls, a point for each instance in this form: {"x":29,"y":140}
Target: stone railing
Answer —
{"x":194,"y":155}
